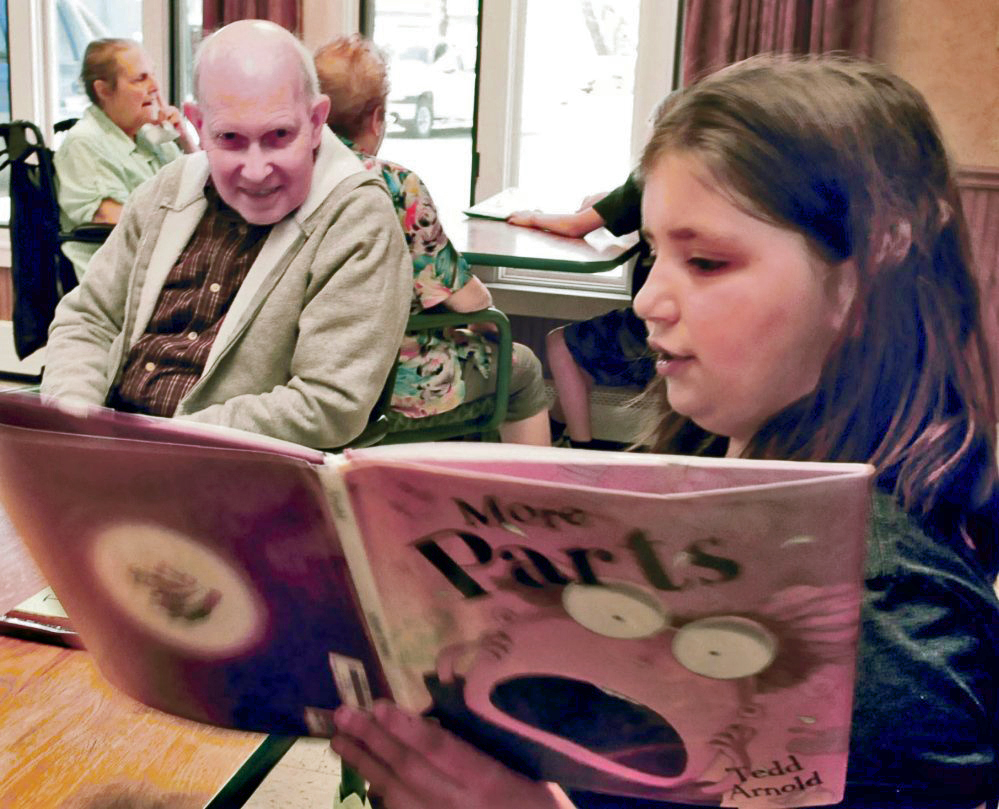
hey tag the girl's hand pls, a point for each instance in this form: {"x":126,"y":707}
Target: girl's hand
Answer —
{"x":412,"y":763}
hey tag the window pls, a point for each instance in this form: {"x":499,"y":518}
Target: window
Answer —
{"x":564,"y":91}
{"x":78,"y":22}
{"x":4,"y":111}
{"x":569,"y":120}
{"x":431,"y":49}
{"x":188,"y":35}
{"x":4,"y":66}
{"x":47,"y":38}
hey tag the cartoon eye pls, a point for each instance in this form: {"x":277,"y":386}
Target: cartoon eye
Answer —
{"x":617,"y":610}
{"x":724,"y":647}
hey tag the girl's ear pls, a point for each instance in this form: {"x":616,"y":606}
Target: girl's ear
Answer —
{"x":844,"y":280}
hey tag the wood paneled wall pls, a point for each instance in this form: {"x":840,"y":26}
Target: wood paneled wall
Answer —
{"x":980,"y":198}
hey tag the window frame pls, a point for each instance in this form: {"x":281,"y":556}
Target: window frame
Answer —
{"x":495,"y":136}
{"x":498,"y":130}
{"x":33,"y":67}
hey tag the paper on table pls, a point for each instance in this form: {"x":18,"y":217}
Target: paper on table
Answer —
{"x":501,"y":205}
{"x":40,"y":617}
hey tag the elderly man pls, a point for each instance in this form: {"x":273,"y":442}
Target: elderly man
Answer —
{"x":125,"y":136}
{"x":263,"y":284}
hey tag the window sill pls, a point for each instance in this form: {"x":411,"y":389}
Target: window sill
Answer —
{"x":552,"y":302}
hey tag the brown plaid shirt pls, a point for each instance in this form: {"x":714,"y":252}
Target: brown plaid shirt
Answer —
{"x":169,"y":358}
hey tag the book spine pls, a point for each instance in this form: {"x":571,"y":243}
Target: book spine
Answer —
{"x":349,"y":532}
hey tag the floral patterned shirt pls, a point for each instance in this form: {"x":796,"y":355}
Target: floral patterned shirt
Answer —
{"x":428,"y":379}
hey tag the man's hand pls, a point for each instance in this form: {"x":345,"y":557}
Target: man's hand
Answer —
{"x":486,"y":328}
{"x":412,"y":763}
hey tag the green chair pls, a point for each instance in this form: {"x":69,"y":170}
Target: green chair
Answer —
{"x":480,"y":418}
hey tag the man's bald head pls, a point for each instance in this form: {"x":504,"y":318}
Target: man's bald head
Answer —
{"x":252,"y":48}
{"x":260,"y":118}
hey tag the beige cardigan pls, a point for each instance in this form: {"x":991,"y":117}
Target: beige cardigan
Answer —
{"x":311,"y":335}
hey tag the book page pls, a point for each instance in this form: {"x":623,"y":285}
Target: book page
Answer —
{"x":44,"y":604}
{"x":501,"y":205}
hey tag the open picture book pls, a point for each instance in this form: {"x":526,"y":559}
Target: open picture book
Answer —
{"x":677,"y":629}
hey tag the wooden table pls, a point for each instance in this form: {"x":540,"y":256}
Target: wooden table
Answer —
{"x":494,"y":243}
{"x":69,"y":740}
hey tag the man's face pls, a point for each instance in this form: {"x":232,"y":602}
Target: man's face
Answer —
{"x":260,"y":137}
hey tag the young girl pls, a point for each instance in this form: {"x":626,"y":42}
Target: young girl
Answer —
{"x":812,"y":299}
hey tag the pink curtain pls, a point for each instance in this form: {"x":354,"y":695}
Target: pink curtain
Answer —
{"x":719,"y":32}
{"x":287,"y":13}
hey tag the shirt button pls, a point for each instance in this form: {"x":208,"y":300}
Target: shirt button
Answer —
{"x":215,"y":287}
{"x":150,"y":366}
{"x":192,"y":335}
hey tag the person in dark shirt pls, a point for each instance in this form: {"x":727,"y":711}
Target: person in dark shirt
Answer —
{"x":608,"y":349}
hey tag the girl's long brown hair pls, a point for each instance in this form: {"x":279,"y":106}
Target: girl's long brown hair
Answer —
{"x":849,"y":155}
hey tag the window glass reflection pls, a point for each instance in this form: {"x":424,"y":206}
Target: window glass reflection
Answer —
{"x":431,"y":47}
{"x":576,"y":110}
{"x":78,"y":22}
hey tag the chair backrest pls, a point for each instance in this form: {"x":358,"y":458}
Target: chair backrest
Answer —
{"x":480,"y":417}
{"x":40,"y":273}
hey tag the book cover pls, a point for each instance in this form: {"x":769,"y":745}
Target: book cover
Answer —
{"x":676,"y":629}
{"x":695,"y":646}
{"x":206,"y":580}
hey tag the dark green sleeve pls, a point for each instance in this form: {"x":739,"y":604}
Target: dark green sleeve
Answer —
{"x":621,"y":209}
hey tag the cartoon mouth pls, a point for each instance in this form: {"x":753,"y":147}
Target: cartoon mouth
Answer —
{"x":611,"y":726}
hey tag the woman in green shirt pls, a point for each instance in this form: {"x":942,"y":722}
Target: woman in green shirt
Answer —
{"x":124,"y":137}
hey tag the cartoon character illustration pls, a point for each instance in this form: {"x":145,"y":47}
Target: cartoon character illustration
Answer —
{"x":177,"y":592}
{"x":577,"y":694}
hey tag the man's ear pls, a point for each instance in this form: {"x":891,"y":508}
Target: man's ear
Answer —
{"x":317,"y":117}
{"x":193,"y":114}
